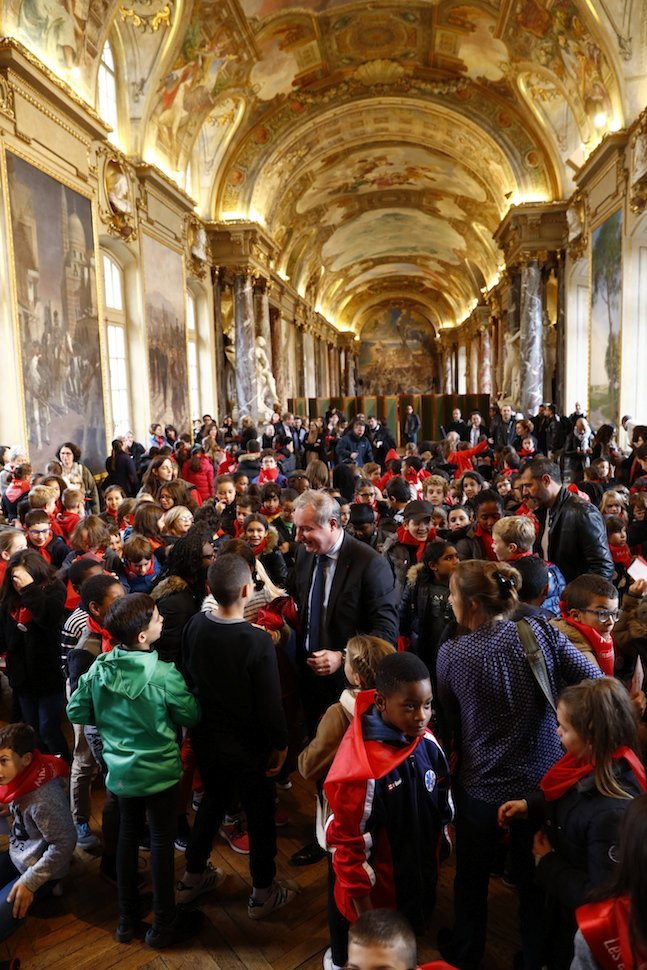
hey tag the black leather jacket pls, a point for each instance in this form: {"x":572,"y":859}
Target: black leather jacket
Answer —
{"x":578,"y":538}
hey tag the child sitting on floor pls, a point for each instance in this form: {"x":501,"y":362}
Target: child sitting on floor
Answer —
{"x":383,"y":938}
{"x":43,"y":835}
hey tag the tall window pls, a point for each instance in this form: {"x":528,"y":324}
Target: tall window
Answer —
{"x":192,"y":345}
{"x":107,"y":88}
{"x":113,"y":280}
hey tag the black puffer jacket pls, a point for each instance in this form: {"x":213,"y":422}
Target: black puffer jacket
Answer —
{"x":34,"y":653}
{"x":177,"y":604}
{"x":578,"y":538}
{"x":424,"y":614}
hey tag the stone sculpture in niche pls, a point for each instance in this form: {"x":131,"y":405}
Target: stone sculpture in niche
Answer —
{"x":119,"y":215}
{"x":511,"y":380}
{"x":264,"y":378}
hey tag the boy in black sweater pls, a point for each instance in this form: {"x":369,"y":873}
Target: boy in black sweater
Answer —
{"x":241,"y":742}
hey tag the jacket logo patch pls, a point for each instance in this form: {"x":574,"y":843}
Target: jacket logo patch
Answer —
{"x":430,"y":780}
{"x":394,"y":784}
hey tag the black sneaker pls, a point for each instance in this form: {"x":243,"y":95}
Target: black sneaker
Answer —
{"x":185,"y":925}
{"x":125,"y":931}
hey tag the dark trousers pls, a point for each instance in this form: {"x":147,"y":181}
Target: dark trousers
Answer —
{"x":44,"y":714}
{"x":223,"y":780}
{"x":318,"y":693}
{"x":338,"y":925}
{"x":478,"y":838}
{"x":9,"y":876}
{"x":162,"y":819}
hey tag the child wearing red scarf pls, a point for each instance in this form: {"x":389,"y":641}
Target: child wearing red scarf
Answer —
{"x":478,"y":543}
{"x":589,"y":610}
{"x":620,"y":552}
{"x":582,"y":799}
{"x":43,"y":836}
{"x":613,"y":932}
{"x":270,"y":501}
{"x":405,"y":547}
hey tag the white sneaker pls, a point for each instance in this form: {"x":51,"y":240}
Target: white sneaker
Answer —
{"x":281,"y":893}
{"x":327,"y":959}
{"x":212,"y":878}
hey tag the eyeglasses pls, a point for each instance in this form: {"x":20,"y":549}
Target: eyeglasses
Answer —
{"x":38,"y":532}
{"x":604,"y":615}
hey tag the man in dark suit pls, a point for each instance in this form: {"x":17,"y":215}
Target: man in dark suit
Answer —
{"x":458,"y":425}
{"x":358,"y":596}
{"x":341,"y":587}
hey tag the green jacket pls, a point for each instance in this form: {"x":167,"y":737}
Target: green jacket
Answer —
{"x":135,"y":700}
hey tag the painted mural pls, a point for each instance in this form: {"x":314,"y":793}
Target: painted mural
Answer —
{"x":166,"y":332}
{"x":606,"y":321}
{"x":57,"y":306}
{"x":389,"y":232}
{"x":397,"y":353}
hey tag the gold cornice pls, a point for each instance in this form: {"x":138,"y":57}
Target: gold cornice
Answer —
{"x":159,"y":180}
{"x":40,"y":86}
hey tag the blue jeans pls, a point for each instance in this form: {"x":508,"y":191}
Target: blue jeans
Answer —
{"x":9,"y":876}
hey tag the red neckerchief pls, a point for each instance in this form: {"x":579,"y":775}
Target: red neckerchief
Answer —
{"x":621,"y":554}
{"x":268,"y":475}
{"x":405,"y":537}
{"x":238,"y":529}
{"x":488,"y":542}
{"x":130,"y":572}
{"x":605,"y":927}
{"x":602,"y":646}
{"x":43,"y":768}
{"x":3,"y":569}
{"x":520,"y":555}
{"x":260,"y":549}
{"x":106,"y":639}
{"x":270,"y":516}
{"x":66,"y":522}
{"x":524,"y":510}
{"x":111,"y":514}
{"x":42,"y":550}
{"x":21,"y":615}
{"x":566,"y":773}
{"x":55,"y":527}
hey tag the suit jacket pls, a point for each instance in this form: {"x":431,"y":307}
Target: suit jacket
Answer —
{"x":362,"y":597}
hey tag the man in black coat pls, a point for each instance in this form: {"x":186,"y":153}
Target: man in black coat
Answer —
{"x":341,"y":587}
{"x":382,"y":440}
{"x":573,"y":534}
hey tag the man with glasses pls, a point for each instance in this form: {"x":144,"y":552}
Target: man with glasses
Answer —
{"x":572,"y":532}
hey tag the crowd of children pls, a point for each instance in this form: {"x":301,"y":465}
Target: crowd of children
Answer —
{"x":163,"y":618}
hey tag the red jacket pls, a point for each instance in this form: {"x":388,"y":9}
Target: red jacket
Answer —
{"x":463,"y":459}
{"x":202,"y":480}
{"x":385,"y":790}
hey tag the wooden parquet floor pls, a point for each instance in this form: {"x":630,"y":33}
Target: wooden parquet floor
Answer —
{"x":75,"y":931}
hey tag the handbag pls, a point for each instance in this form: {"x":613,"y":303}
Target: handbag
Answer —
{"x":536,"y":660}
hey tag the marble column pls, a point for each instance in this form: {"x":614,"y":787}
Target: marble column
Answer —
{"x":221,"y":388}
{"x":473,"y":386}
{"x":530,"y":321}
{"x":277,"y":353}
{"x":301,"y":374}
{"x":560,"y":370}
{"x":485,"y":371}
{"x":448,"y":383}
{"x":246,"y":374}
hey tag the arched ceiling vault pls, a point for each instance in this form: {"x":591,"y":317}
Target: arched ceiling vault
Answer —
{"x":380,"y":144}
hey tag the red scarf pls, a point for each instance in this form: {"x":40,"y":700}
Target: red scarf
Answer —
{"x":602,"y":646}
{"x":3,"y":569}
{"x":524,"y":510}
{"x":268,"y":475}
{"x":488,"y":542}
{"x":605,"y":927}
{"x":621,"y":554}
{"x":520,"y":555}
{"x":270,"y":516}
{"x":569,"y":770}
{"x":130,"y":572}
{"x":21,"y":615}
{"x":43,"y":768}
{"x":238,"y":529}
{"x":106,"y":639}
{"x":260,"y":549}
{"x":42,"y":550}
{"x":405,"y":537}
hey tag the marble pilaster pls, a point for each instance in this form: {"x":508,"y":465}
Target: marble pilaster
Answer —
{"x":473,"y":385}
{"x":485,"y":372}
{"x":246,"y":376}
{"x":530,"y":322}
{"x":277,"y":328}
{"x":221,"y":390}
{"x":448,"y":383}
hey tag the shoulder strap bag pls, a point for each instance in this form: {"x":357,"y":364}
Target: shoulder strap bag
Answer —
{"x":536,"y":660}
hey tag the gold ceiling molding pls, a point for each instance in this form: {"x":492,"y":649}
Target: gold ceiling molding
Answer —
{"x":148,"y":22}
{"x":380,"y":79}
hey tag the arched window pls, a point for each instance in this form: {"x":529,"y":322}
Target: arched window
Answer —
{"x":115,"y":320}
{"x":192,"y":347}
{"x":107,"y":89}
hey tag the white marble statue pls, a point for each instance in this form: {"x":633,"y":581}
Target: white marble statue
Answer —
{"x":511,"y":380}
{"x":264,"y":378}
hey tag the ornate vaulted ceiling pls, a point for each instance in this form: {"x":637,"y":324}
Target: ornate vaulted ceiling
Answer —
{"x":379,"y":143}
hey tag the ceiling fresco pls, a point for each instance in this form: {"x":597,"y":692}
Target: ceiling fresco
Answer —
{"x":379,"y":144}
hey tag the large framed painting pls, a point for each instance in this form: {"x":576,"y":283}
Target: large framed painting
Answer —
{"x":606,"y":322}
{"x":56,"y":292}
{"x":166,"y":330}
{"x":397,"y":353}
